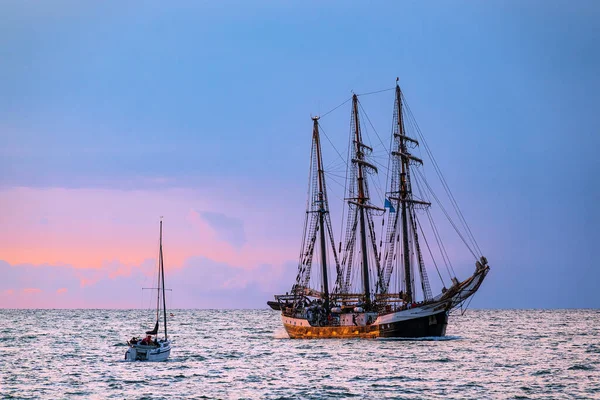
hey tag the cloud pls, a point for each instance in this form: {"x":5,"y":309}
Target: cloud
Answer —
{"x":228,"y":229}
{"x":101,"y":246}
{"x":199,"y":283}
{"x":86,"y":228}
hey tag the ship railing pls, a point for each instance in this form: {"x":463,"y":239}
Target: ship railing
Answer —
{"x":304,"y":291}
{"x":393,"y":302}
{"x":347,"y":296}
{"x":285,"y":297}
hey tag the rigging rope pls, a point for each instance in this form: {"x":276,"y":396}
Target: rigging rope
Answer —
{"x":344,"y":203}
{"x":335,"y":108}
{"x":430,"y":253}
{"x":378,"y":91}
{"x":436,"y":234}
{"x":332,"y":145}
{"x":308,"y":200}
{"x":442,"y":179}
{"x":446,"y":214}
{"x":441,"y":246}
{"x":374,"y":130}
{"x":380,"y":191}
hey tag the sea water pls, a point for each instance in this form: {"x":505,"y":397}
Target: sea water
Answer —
{"x":235,"y":354}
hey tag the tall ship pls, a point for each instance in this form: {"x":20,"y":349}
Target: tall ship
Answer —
{"x":376,"y":282}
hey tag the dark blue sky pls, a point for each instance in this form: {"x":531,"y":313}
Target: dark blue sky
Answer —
{"x":103,"y":95}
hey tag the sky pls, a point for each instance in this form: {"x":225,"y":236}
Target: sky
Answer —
{"x":113,"y":114}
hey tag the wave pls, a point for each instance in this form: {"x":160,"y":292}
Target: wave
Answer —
{"x":280,"y":333}
{"x":424,"y":339}
{"x":580,"y":367}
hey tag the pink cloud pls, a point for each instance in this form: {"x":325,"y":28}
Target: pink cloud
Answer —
{"x":96,"y":238}
{"x":86,"y":228}
{"x":199,"y":283}
{"x":83,"y":282}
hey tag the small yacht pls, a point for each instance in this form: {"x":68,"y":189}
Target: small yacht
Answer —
{"x":151,"y":347}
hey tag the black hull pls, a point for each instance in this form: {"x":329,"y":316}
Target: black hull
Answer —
{"x":430,"y":326}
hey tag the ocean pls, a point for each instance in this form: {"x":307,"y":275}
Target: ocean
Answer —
{"x":245,"y":354}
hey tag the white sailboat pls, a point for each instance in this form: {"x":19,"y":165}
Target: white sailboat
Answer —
{"x":151,"y":348}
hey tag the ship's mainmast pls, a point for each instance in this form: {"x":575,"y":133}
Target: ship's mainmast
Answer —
{"x":361,"y":203}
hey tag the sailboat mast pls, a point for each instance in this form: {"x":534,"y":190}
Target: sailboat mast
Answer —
{"x":361,"y":202}
{"x":404,"y":198}
{"x":158,"y":283}
{"x":322,"y":211}
{"x":162,"y":271}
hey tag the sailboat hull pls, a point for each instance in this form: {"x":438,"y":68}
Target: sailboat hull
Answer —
{"x":138,"y":352}
{"x":403,"y":324}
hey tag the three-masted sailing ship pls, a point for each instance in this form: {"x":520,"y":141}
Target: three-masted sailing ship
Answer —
{"x":151,"y":347}
{"x":380,"y":285}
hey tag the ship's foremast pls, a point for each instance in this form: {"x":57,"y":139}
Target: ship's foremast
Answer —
{"x":317,"y":232}
{"x":322,"y":211}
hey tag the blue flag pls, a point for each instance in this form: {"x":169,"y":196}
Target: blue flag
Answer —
{"x":388,"y":204}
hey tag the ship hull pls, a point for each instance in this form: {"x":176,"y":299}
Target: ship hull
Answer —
{"x":429,"y":326}
{"x":421,"y":320}
{"x":396,"y":325}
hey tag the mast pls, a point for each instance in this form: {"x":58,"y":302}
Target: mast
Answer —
{"x":404,"y":198}
{"x":158,"y":288}
{"x":322,"y":211}
{"x":317,"y":219}
{"x":361,"y":203}
{"x":162,"y":272}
